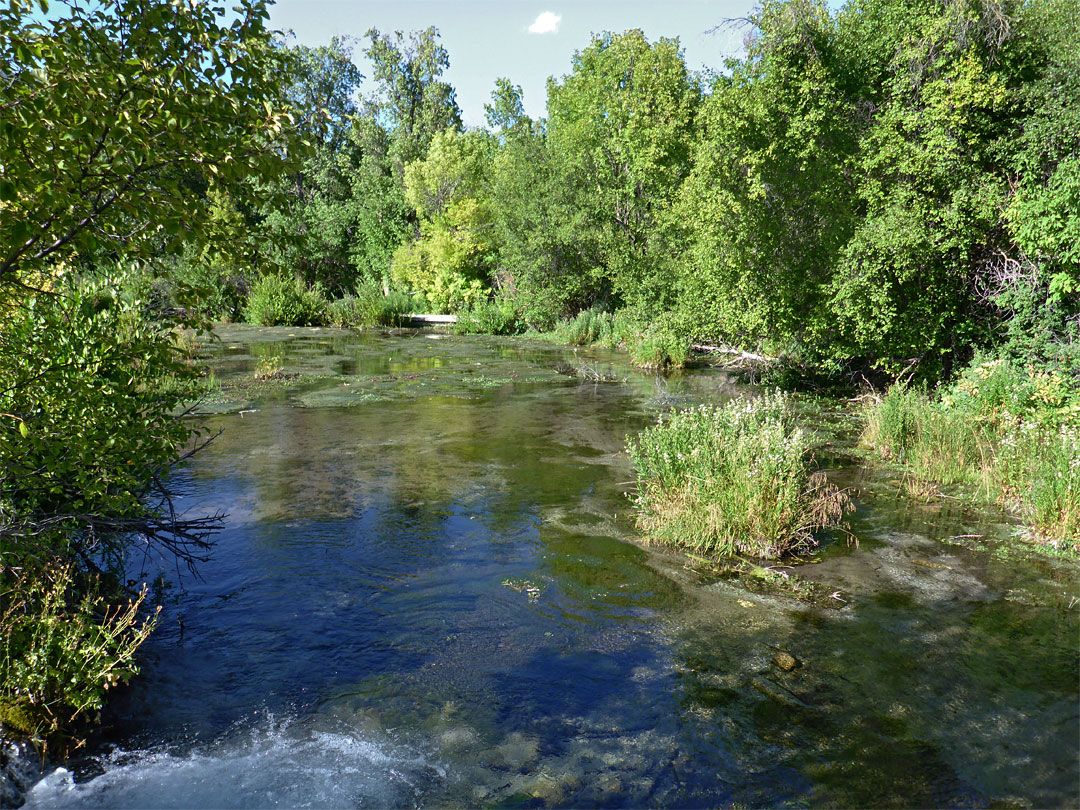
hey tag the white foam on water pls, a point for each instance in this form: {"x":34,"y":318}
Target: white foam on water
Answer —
{"x":279,"y":767}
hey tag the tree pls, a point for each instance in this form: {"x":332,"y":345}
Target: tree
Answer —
{"x":452,"y":260}
{"x":310,"y":226}
{"x":108,"y":113}
{"x":930,"y":183}
{"x":767,"y":205}
{"x":114,"y":117}
{"x":621,"y":125}
{"x":411,"y":99}
{"x":506,"y":112}
{"x":1037,"y":283}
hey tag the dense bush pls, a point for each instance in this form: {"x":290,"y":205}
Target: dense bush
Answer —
{"x":66,"y":643}
{"x":284,"y":300}
{"x":499,"y":317}
{"x":732,"y":479}
{"x":88,"y":433}
{"x":371,"y":307}
{"x":588,"y":327}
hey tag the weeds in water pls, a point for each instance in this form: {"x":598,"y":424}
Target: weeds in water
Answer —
{"x":285,"y":300}
{"x":499,"y":317}
{"x":659,"y":348}
{"x":371,"y":307}
{"x":589,"y":327}
{"x":1005,"y":434}
{"x":732,"y":479}
{"x":269,"y":367}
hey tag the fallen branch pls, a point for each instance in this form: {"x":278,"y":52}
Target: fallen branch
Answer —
{"x":738,"y":353}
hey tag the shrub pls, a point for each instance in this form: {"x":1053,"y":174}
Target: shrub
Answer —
{"x":448,"y":286}
{"x":88,"y":434}
{"x":65,"y":645}
{"x":393,"y":306}
{"x":498,"y":317}
{"x":732,"y":479}
{"x":346,"y":312}
{"x":1054,"y":492}
{"x":284,"y":300}
{"x":659,"y":348}
{"x":370,"y":307}
{"x":216,"y":289}
{"x":586,"y":328}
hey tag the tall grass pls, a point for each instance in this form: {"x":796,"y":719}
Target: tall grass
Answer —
{"x":1003,"y":433}
{"x":659,"y":348}
{"x":499,"y":317}
{"x":284,"y":300}
{"x":370,"y":307}
{"x":732,"y":479}
{"x":588,"y":327}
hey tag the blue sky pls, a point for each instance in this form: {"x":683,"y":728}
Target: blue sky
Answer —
{"x":491,"y":38}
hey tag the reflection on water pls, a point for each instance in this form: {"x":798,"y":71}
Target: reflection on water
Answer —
{"x":438,"y":587}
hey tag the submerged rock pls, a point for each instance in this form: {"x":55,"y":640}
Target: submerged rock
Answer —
{"x":786,"y":661}
{"x":459,"y":737}
{"x":20,"y":768}
{"x":778,"y":693}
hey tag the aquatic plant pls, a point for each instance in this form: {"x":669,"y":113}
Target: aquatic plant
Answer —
{"x":586,"y":328}
{"x":730,"y":479}
{"x":284,"y":300}
{"x":1002,"y":433}
{"x":659,"y":348}
{"x":499,"y":317}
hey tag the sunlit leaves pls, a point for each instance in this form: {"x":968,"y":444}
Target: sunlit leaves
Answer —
{"x":112,"y":112}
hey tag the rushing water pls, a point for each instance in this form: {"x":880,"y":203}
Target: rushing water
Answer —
{"x":428,"y":592}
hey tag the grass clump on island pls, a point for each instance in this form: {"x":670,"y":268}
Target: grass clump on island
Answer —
{"x":1003,"y":433}
{"x":732,"y":479}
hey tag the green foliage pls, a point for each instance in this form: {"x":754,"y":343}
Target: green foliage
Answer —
{"x":371,"y":307}
{"x":659,"y":348}
{"x":1006,"y":433}
{"x":349,"y":311}
{"x":452,"y":261}
{"x":314,"y":221}
{"x":621,"y":127}
{"x":733,"y":479}
{"x":1054,"y":493}
{"x":284,"y":300}
{"x":547,"y":255}
{"x":588,"y":327}
{"x":132,"y":131}
{"x":86,"y":434}
{"x":660,"y":343}
{"x":87,"y":437}
{"x":766,"y":207}
{"x":65,"y":645}
{"x":1042,"y":212}
{"x":411,"y":96}
{"x":112,"y":114}
{"x":501,"y":316}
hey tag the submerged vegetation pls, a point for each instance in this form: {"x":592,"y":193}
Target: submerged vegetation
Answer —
{"x":732,"y":479}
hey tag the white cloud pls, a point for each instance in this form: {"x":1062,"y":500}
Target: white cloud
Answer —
{"x":546,"y":23}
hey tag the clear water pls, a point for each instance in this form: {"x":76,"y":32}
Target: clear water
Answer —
{"x":429,"y":592}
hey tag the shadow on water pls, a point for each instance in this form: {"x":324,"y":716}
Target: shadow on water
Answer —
{"x":428,"y":592}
